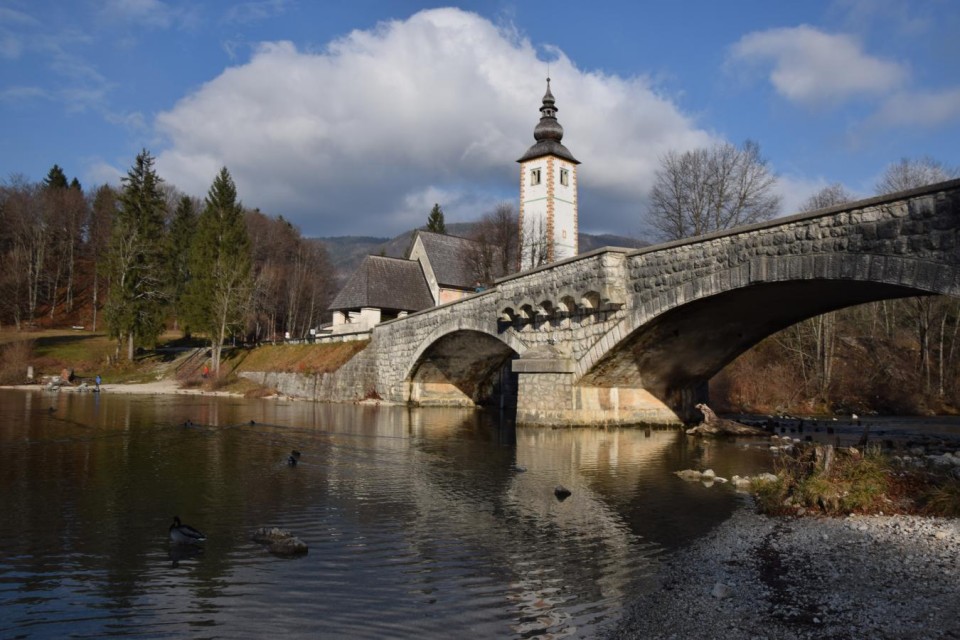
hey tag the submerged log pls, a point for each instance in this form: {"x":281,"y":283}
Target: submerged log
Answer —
{"x":714,"y":425}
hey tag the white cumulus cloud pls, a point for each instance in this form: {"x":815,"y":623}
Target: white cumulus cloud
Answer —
{"x":361,"y":136}
{"x":814,"y":68}
{"x":919,"y":109}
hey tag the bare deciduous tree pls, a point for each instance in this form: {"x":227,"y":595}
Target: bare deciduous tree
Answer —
{"x":535,"y":244}
{"x":829,"y":196}
{"x":926,"y":313}
{"x":27,"y":245}
{"x":912,"y":173}
{"x":496,"y":251}
{"x":814,"y":341}
{"x":705,"y":190}
{"x":293,"y":279}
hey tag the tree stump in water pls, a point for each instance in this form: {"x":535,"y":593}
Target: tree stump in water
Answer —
{"x":714,"y":425}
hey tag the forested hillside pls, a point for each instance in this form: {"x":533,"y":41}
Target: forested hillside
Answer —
{"x":135,"y":260}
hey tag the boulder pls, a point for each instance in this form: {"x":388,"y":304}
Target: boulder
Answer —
{"x":765,"y":477}
{"x":721,"y":591}
{"x":280,"y":541}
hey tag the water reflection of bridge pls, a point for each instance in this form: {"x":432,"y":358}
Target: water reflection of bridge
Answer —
{"x":520,"y":524}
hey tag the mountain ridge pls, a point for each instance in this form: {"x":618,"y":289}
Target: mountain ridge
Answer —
{"x":347,"y":252}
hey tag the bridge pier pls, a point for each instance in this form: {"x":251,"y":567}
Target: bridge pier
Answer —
{"x":547,"y":396}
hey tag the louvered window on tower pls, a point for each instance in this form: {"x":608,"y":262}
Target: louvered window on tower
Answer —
{"x":564,"y":177}
{"x":534,"y":177}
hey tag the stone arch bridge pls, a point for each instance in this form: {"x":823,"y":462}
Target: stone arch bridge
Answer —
{"x":619,"y":336}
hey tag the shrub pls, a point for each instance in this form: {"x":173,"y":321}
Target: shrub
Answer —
{"x":944,"y":500}
{"x":770,"y":494}
{"x":813,"y":478}
{"x":14,"y":359}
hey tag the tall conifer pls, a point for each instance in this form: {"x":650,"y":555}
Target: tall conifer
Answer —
{"x":56,"y":178}
{"x":182,"y":230}
{"x":435,"y":220}
{"x":220,"y":284}
{"x":135,"y":305}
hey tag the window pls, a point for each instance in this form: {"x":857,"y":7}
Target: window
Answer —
{"x":534,"y":177}
{"x":565,"y":177}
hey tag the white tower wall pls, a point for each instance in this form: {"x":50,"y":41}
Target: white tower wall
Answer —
{"x":549,"y":223}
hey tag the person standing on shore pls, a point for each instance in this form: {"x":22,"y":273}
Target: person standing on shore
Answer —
{"x":98,"y":382}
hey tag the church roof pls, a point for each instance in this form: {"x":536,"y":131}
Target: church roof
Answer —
{"x":548,"y":133}
{"x":450,"y":258}
{"x":385,"y":283}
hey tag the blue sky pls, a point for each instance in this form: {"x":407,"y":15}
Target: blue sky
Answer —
{"x":354,"y":118}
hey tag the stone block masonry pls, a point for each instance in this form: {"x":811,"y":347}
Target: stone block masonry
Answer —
{"x":619,"y":336}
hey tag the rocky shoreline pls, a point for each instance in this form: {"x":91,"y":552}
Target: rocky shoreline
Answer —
{"x":788,"y":578}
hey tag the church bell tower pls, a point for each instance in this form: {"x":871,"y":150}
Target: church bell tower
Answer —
{"x":548,"y":193}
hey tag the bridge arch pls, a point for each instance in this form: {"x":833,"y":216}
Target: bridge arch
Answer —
{"x":680,"y":337}
{"x":463,"y":364}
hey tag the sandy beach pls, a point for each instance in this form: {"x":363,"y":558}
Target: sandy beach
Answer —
{"x":159,"y":387}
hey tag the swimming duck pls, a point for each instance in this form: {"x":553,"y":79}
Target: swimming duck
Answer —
{"x":293,"y":458}
{"x":184,"y":533}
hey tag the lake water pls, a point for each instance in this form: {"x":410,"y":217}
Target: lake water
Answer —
{"x":420,"y":522}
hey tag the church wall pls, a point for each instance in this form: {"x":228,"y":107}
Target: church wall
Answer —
{"x":533,"y":209}
{"x":419,"y":253}
{"x":564,"y":205}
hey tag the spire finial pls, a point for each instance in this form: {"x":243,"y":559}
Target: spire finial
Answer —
{"x":548,"y":133}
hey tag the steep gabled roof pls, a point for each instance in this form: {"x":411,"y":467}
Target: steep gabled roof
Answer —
{"x":385,"y":283}
{"x":451,"y":258}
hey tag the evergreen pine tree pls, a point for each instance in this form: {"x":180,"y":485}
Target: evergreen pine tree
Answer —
{"x":102,"y":215}
{"x":220,"y":258}
{"x":135,"y":305}
{"x":182,"y":229}
{"x":56,"y":178}
{"x":435,"y":221}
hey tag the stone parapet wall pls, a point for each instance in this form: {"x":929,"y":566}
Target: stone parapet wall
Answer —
{"x":903,"y":242}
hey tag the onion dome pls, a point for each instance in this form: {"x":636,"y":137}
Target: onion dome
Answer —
{"x":548,"y":133}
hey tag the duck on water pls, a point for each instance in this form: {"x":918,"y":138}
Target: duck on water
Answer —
{"x":184,"y":534}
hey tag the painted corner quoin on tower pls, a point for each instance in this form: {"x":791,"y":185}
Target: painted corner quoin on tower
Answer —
{"x":548,"y":193}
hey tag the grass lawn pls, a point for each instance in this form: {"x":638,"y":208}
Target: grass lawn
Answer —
{"x":50,"y":351}
{"x":301,"y":358}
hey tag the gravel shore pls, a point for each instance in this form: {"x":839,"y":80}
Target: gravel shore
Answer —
{"x":760,"y":577}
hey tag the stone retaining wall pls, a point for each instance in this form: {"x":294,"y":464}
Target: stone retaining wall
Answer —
{"x":353,"y":381}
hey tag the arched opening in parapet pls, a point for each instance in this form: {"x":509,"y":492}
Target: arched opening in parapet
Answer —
{"x":673,"y":355}
{"x":464,"y":368}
